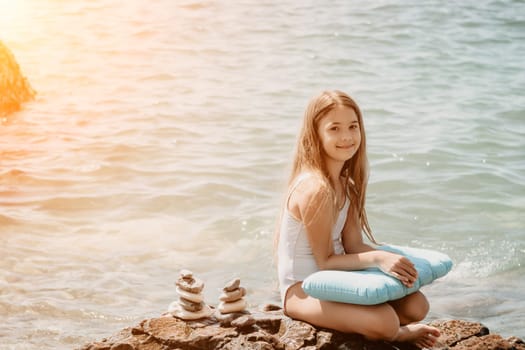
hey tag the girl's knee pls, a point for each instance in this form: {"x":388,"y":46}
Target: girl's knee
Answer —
{"x":420,"y":307}
{"x":416,"y":308}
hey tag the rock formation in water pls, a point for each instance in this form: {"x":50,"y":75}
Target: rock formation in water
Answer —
{"x":232,"y":298}
{"x":270,"y":329}
{"x":14,"y":88}
{"x":190,"y":305}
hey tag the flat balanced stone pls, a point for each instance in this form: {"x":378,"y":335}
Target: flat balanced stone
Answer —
{"x":232,"y":285}
{"x":178,"y":311}
{"x":236,"y":306}
{"x":233,"y":295}
{"x":194,"y":285}
{"x":189,"y":305}
{"x":186,"y":274}
{"x":196,"y":298}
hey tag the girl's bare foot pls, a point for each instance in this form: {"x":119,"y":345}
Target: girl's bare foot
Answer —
{"x":421,"y":335}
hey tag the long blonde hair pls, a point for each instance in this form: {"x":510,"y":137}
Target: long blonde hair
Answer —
{"x":309,"y":153}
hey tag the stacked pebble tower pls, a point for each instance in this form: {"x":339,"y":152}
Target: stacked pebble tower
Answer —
{"x":232,"y":298}
{"x":190,"y":305}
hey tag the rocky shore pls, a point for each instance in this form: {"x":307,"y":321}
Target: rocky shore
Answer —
{"x":14,"y":87}
{"x":268,"y":329}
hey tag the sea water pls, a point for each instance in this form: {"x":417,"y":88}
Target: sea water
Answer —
{"x":162,"y":135}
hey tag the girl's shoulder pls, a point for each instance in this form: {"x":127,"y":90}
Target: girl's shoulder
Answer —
{"x":309,"y":182}
{"x":308,"y":189}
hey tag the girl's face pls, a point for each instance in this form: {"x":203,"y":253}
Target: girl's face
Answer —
{"x":340,"y":134}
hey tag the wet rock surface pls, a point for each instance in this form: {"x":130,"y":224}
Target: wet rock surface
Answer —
{"x":270,"y":329}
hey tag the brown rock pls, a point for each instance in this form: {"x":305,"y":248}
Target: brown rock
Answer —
{"x":243,"y":322}
{"x":454,"y":331}
{"x":517,"y":343}
{"x":259,"y":337}
{"x":271,"y":307}
{"x":225,"y":320}
{"x":296,"y":334}
{"x":273,"y":330}
{"x":265,"y":343}
{"x":486,"y":342}
{"x":269,"y":321}
{"x":122,"y":347}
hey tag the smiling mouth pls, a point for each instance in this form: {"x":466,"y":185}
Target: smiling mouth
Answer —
{"x":345,"y":147}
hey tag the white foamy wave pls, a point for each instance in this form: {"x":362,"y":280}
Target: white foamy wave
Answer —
{"x":490,"y":258}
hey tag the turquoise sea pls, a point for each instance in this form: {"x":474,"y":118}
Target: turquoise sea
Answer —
{"x":163,"y":130}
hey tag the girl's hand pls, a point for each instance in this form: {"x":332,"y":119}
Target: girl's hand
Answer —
{"x":399,"y":267}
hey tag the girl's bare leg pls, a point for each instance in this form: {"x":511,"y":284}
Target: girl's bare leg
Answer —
{"x":412,"y":308}
{"x":373,"y":321}
{"x":421,"y":335}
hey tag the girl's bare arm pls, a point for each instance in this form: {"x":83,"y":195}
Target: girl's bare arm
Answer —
{"x":311,"y":204}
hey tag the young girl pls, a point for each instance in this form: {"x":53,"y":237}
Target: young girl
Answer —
{"x":321,"y":228}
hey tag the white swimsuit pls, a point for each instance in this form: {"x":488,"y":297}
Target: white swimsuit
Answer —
{"x":295,"y":258}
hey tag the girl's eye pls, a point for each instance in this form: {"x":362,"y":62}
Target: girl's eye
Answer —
{"x":334,"y":128}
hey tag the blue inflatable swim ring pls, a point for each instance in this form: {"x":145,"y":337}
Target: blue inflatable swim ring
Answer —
{"x":372,"y":286}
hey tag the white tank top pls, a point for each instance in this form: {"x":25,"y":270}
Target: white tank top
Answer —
{"x":295,"y":258}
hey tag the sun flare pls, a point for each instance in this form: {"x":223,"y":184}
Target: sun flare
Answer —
{"x":11,"y":14}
